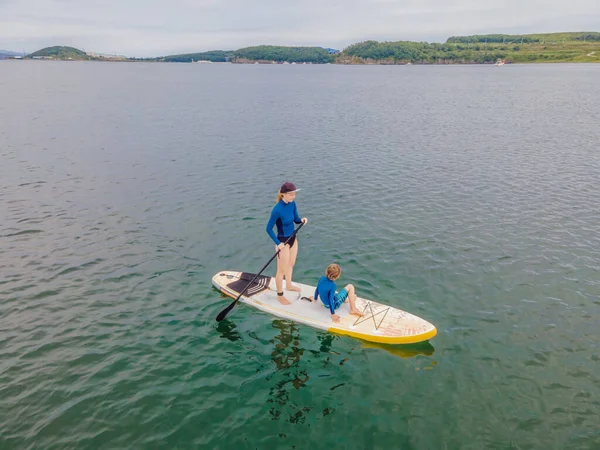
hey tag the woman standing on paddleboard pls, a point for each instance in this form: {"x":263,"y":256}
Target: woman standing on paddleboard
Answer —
{"x":284,"y":216}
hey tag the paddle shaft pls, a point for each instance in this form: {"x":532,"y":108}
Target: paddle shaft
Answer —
{"x":224,"y":313}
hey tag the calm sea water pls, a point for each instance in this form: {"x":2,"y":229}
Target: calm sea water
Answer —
{"x":467,"y":195}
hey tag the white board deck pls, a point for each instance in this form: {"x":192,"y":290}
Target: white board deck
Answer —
{"x":380,"y":323}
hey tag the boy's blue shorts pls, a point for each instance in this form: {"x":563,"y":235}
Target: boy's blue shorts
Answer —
{"x":340,"y":297}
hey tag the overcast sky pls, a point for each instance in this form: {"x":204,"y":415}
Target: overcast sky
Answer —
{"x":160,"y":27}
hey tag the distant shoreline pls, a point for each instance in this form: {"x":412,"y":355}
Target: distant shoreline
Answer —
{"x":262,"y":63}
{"x":499,"y":49}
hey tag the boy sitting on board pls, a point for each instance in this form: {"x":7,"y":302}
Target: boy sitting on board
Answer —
{"x":326,"y":289}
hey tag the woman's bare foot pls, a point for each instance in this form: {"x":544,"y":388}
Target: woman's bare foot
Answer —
{"x":356,"y":312}
{"x":293,"y":288}
{"x":284,"y":301}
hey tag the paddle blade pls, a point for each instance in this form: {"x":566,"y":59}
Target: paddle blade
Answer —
{"x":224,"y":313}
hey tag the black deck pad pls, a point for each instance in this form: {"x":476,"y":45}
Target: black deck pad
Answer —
{"x":260,"y":284}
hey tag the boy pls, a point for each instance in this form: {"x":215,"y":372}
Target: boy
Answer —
{"x":326,"y":288}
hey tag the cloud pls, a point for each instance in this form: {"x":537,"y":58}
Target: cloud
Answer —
{"x":153,"y":27}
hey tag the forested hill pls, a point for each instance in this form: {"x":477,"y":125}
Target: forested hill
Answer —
{"x":278,"y":54}
{"x":59,"y":52}
{"x":582,"y":36}
{"x":554,"y":47}
{"x":262,"y":53}
{"x":212,"y":56}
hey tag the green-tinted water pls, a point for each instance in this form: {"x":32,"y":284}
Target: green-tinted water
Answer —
{"x":466,"y":195}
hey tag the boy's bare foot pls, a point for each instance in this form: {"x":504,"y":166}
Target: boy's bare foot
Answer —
{"x":284,"y":301}
{"x":356,"y":312}
{"x":292,"y":288}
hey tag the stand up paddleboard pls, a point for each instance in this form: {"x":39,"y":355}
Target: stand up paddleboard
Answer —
{"x":380,"y":323}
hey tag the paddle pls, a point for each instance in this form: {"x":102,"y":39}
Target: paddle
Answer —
{"x":224,"y":313}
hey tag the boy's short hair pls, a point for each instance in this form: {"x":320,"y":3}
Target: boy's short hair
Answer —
{"x":333,"y":271}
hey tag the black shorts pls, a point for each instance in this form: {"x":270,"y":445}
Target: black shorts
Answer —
{"x":290,"y":243}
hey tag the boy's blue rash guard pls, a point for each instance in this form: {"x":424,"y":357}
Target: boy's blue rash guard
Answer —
{"x":284,"y":215}
{"x":326,"y":289}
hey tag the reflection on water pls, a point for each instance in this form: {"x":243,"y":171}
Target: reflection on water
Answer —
{"x":286,"y":357}
{"x":291,"y":376}
{"x":226,"y":329}
{"x":403,"y":351}
{"x":289,"y":333}
{"x":326,"y":340}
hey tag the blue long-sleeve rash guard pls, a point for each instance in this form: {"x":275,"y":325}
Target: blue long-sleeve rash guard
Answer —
{"x":326,"y":289}
{"x":284,"y":215}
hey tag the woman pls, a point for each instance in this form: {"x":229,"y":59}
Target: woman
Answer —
{"x":284,"y":216}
